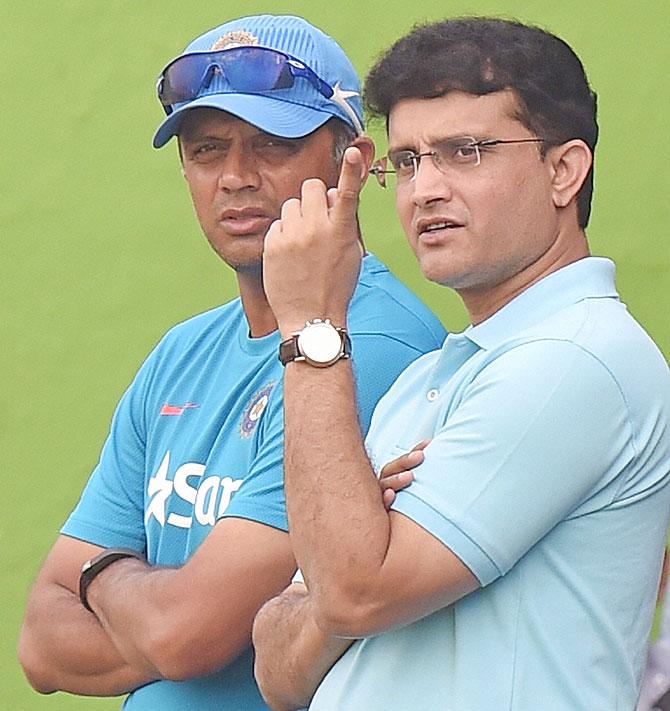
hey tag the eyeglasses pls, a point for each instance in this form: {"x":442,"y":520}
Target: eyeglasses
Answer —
{"x":246,"y":69}
{"x":451,"y":153}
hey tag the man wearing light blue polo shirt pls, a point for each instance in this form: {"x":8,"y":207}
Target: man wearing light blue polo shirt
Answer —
{"x":519,"y":569}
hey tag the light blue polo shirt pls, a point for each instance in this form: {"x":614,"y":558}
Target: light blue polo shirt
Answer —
{"x":547,"y":475}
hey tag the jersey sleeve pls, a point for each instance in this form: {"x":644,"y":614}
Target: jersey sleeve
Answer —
{"x":110,"y":510}
{"x":261,"y":496}
{"x":540,"y":434}
{"x":378,"y":360}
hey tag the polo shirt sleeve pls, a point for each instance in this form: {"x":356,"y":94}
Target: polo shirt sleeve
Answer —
{"x":540,"y":434}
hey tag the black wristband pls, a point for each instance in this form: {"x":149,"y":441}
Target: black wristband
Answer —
{"x":96,"y":565}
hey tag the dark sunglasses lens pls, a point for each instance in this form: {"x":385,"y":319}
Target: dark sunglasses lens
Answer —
{"x":183,"y":80}
{"x":249,"y":69}
{"x":245,"y":69}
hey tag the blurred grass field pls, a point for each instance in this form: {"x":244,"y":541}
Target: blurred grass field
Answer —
{"x":101,"y":252}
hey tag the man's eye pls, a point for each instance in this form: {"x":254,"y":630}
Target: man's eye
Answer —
{"x":273,"y":144}
{"x":205,"y":150}
{"x":464,"y":153}
{"x":403,"y":162}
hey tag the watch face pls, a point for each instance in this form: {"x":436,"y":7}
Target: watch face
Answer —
{"x":320,"y":342}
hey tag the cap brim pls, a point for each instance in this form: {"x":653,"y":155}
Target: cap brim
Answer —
{"x":278,"y":117}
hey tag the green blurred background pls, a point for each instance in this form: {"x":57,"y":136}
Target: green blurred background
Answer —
{"x":101,"y":252}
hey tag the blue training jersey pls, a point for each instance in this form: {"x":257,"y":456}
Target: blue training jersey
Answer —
{"x":199,"y":435}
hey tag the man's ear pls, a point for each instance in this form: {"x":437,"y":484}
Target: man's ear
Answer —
{"x":571,"y":162}
{"x":367,"y":148}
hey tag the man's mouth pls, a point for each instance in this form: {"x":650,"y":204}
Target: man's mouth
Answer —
{"x":436,"y":226}
{"x":248,"y":220}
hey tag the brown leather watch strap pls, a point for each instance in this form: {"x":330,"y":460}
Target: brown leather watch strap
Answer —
{"x":289,"y":350}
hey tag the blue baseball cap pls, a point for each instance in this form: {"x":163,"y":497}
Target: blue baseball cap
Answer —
{"x":290,"y":112}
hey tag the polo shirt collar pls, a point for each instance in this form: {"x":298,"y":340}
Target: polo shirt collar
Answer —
{"x":588,"y":278}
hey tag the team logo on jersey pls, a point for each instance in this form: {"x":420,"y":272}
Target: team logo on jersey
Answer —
{"x":254,"y":410}
{"x":234,"y":39}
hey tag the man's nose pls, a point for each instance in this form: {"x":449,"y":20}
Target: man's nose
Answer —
{"x":239,"y":171}
{"x":430,"y":183}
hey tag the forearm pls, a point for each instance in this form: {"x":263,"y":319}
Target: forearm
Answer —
{"x":63,"y":648}
{"x":339,"y":528}
{"x":331,"y":490}
{"x":133,"y":604}
{"x":292,"y":653}
{"x":190,"y":621}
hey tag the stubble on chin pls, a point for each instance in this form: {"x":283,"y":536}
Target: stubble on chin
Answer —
{"x":243,"y":254}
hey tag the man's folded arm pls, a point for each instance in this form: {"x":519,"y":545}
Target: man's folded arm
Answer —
{"x":292,"y":653}
{"x":369,"y":570}
{"x":62,"y":645}
{"x":381,"y":569}
{"x":180,"y":623}
{"x":150,"y":622}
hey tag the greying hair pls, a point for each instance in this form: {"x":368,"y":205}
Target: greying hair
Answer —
{"x":343,"y":137}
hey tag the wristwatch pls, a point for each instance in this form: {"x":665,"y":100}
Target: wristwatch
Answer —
{"x":96,"y":565}
{"x":319,"y":343}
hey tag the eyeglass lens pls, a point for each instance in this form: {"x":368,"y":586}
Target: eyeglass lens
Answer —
{"x":449,"y":153}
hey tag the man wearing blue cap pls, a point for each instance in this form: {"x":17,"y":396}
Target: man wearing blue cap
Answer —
{"x":180,"y":534}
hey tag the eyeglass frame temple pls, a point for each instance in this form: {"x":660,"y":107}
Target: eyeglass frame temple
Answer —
{"x":497,"y":141}
{"x":379,"y":171}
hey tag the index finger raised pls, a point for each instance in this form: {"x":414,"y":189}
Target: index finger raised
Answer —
{"x":349,"y":185}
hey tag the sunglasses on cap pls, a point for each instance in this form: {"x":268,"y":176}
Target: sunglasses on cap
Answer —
{"x":247,"y":70}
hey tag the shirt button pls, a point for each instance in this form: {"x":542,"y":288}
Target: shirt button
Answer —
{"x":432,"y":394}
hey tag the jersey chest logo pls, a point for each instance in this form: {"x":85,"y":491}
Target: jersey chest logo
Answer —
{"x":207,"y":497}
{"x":256,"y":407}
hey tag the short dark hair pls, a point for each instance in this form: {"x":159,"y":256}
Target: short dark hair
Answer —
{"x":480,"y":55}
